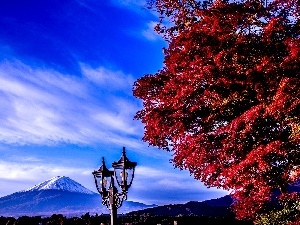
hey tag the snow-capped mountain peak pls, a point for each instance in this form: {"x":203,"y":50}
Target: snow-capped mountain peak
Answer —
{"x":60,"y":183}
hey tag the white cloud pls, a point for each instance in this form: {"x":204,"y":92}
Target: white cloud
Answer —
{"x":47,"y":107}
{"x":149,"y":32}
{"x":35,"y":172}
{"x":150,"y":185}
{"x":140,"y":7}
{"x":130,"y":3}
{"x":25,"y":173}
{"x":166,"y":179}
{"x":155,"y":186}
{"x":114,"y":80}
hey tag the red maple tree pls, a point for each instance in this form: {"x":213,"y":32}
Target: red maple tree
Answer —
{"x":227,"y":101}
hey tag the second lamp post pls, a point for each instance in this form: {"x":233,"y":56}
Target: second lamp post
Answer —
{"x":123,"y":172}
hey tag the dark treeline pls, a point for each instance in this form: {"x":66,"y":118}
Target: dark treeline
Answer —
{"x":145,"y":219}
{"x":56,"y":219}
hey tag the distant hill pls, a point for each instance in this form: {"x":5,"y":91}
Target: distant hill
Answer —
{"x":210,"y":208}
{"x":62,"y":195}
{"x":59,"y":195}
{"x":219,"y":207}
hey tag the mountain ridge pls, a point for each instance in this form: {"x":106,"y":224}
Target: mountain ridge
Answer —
{"x":58,"y":195}
{"x":219,"y":207}
{"x":60,"y":183}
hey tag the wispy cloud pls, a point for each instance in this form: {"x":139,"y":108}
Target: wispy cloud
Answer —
{"x":150,"y":18}
{"x":140,"y":7}
{"x":130,"y":3}
{"x":46,"y":107}
{"x":156,"y":185}
{"x":149,"y":32}
{"x":20,"y":174}
{"x":164,"y":179}
{"x":153,"y":186}
{"x":105,"y":78}
{"x":31,"y":171}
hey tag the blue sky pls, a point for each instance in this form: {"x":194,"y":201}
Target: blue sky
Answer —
{"x":66,"y":75}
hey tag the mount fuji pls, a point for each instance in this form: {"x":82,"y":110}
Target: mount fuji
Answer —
{"x":58,"y":195}
{"x":60,"y":183}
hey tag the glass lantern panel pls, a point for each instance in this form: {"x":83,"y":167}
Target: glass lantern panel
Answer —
{"x":103,"y":183}
{"x":130,"y":176}
{"x":118,"y":175}
{"x":98,"y":179}
{"x":124,"y":177}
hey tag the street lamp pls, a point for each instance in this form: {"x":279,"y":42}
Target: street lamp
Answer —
{"x":123,"y":173}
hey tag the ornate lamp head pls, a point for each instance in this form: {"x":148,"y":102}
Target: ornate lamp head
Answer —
{"x":103,"y":178}
{"x":124,"y":171}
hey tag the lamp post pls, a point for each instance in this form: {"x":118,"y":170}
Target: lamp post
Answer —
{"x":123,"y":173}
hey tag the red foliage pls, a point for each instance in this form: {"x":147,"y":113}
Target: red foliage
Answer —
{"x":227,"y":101}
